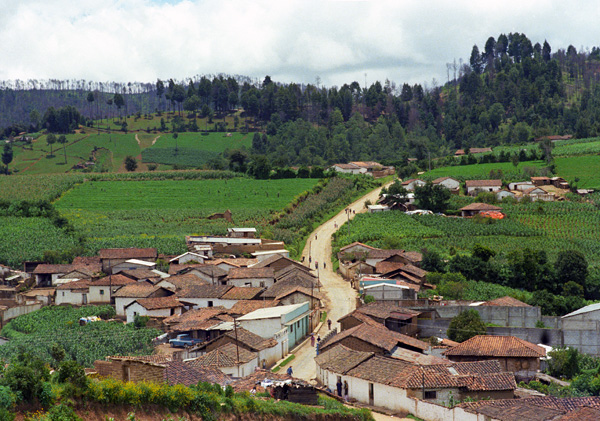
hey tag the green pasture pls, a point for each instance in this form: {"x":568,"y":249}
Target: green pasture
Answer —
{"x":581,"y":170}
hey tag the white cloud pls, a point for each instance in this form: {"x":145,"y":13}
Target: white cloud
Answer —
{"x":340,"y":41}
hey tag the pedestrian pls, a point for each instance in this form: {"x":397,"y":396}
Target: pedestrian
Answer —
{"x":303,"y":259}
{"x":346,"y":391}
{"x":312,"y":339}
{"x":329,"y":323}
{"x":290,"y":371}
{"x":253,"y":391}
{"x":319,"y":339}
{"x":315,"y":236}
{"x":338,"y":385}
{"x":309,"y":260}
{"x":324,"y":265}
{"x":316,"y":265}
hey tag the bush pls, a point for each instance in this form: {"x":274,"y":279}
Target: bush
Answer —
{"x":466,"y":325}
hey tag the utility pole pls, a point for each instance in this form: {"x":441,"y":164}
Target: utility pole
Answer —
{"x":237,"y":347}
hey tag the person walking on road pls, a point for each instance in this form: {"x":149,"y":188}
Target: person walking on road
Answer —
{"x":312,"y":339}
{"x":338,"y":385}
{"x":290,"y":371}
{"x":329,"y":323}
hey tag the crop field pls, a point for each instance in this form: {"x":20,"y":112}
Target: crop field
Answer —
{"x":584,"y":168}
{"x":553,"y":227}
{"x":38,"y":331}
{"x":482,"y":171}
{"x":160,"y":213}
{"x":194,"y":149}
{"x":27,"y":238}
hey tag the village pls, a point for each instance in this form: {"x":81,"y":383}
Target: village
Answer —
{"x":236,"y":310}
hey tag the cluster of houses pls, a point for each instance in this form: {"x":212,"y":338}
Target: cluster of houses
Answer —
{"x":383,"y":274}
{"x":373,"y":169}
{"x":375,"y":360}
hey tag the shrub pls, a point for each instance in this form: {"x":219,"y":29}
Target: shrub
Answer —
{"x":466,"y":325}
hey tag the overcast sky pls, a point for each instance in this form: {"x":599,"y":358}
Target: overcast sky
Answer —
{"x":292,"y":41}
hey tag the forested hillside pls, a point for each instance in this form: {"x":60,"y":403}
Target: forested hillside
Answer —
{"x":510,"y":91}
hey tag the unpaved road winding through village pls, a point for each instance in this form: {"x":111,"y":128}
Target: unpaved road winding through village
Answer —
{"x":340,"y":297}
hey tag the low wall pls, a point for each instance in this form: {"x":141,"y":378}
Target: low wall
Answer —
{"x":12,"y":312}
{"x":586,"y":341}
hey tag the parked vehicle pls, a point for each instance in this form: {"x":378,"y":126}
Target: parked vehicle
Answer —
{"x":183,"y":340}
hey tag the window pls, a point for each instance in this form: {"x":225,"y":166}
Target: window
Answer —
{"x":63,"y":294}
{"x":262,"y":284}
{"x":292,"y":328}
{"x":101,"y":292}
{"x":430,"y":394}
{"x":210,"y":303}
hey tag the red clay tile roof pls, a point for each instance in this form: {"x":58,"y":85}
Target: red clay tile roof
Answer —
{"x":140,"y":274}
{"x":174,"y":268}
{"x":246,"y":273}
{"x":128,"y":253}
{"x":385,"y":267}
{"x":225,"y":356}
{"x":356,"y":243}
{"x":251,"y":340}
{"x":137,"y":290}
{"x":407,"y":182}
{"x":496,"y":346}
{"x":159,"y":303}
{"x":239,"y":262}
{"x":242,"y":293}
{"x":284,"y":286}
{"x":384,"y":310}
{"x":506,"y":301}
{"x":439,"y":180}
{"x":563,"y":405}
{"x":80,"y":285}
{"x":378,"y":336}
{"x":480,"y":207}
{"x":340,"y":359}
{"x":154,"y":358}
{"x":46,"y":268}
{"x":582,"y":414}
{"x":483,"y":183}
{"x":86,"y":260}
{"x":248,"y":306}
{"x":302,"y":290}
{"x":204,"y":291}
{"x":114,"y":280}
{"x":177,"y":372}
{"x":276,"y":258}
{"x":185,"y":280}
{"x":383,"y":254}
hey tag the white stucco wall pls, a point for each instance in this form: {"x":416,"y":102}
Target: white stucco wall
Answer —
{"x":255,"y":282}
{"x":265,"y":328}
{"x":96,"y":297}
{"x":203,"y":302}
{"x":69,"y":297}
{"x":135,"y":308}
{"x":120,"y":303}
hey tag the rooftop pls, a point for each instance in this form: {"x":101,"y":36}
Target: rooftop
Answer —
{"x":378,"y":336}
{"x":270,"y":312}
{"x":158,"y":303}
{"x":480,"y":207}
{"x":251,"y":272}
{"x":483,"y":183}
{"x":496,"y":346}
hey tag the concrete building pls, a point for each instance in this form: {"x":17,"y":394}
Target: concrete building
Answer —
{"x":267,"y":322}
{"x":160,"y":307}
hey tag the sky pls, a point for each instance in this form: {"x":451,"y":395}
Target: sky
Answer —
{"x":302,"y":41}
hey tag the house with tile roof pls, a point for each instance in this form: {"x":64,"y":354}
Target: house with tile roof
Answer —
{"x":373,"y":337}
{"x":233,"y":360}
{"x":449,"y":183}
{"x":158,"y":369}
{"x":102,"y":290}
{"x":474,"y":187}
{"x":129,"y":293}
{"x":200,"y":296}
{"x":412,"y":184}
{"x":181,"y":281}
{"x":263,"y":277}
{"x":159,"y":307}
{"x":111,"y":257}
{"x":398,"y":385}
{"x":475,"y":208}
{"x":544,"y":408}
{"x":395,"y":318}
{"x":205,"y":323}
{"x":47,"y":275}
{"x":269,"y":350}
{"x":514,"y":354}
{"x":74,"y":293}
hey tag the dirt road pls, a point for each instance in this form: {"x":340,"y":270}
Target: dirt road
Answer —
{"x":340,"y":297}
